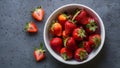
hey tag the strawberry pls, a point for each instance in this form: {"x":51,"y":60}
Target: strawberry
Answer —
{"x":84,"y":21}
{"x":66,"y":54}
{"x":87,"y":46}
{"x":56,"y":29}
{"x":91,"y":26}
{"x":64,"y":35}
{"x":38,"y":13}
{"x":56,"y":44}
{"x":80,"y":15}
{"x":62,"y":18}
{"x":79,"y":34}
{"x":70,"y":43}
{"x":80,"y":54}
{"x":69,"y":27}
{"x":31,"y":27}
{"x":95,"y":40}
{"x":39,"y":53}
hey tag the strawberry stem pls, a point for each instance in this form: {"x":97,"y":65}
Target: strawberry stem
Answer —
{"x":72,"y":21}
{"x":65,"y":41}
{"x":75,"y":15}
{"x":41,"y":47}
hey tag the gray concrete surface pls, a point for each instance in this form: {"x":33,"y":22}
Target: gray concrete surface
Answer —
{"x":16,"y":46}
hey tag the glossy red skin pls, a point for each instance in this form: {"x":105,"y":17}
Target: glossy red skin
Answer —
{"x":71,"y":44}
{"x":91,"y":39}
{"x":87,"y":37}
{"x":75,"y":35}
{"x":84,"y":21}
{"x":81,"y":15}
{"x":56,"y":44}
{"x":68,"y":53}
{"x":87,"y":46}
{"x":77,"y":52}
{"x":56,"y":32}
{"x":69,"y":27}
{"x":62,"y":23}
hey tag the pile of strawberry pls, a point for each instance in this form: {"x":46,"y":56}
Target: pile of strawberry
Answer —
{"x":74,"y":36}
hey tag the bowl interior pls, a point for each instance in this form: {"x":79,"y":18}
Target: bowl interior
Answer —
{"x":70,"y":8}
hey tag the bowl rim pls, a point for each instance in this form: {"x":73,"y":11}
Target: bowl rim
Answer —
{"x":102,"y":27}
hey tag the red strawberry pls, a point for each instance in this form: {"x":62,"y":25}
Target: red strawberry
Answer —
{"x":80,"y":54}
{"x":56,"y":29}
{"x":66,"y":54}
{"x":84,"y":21}
{"x":70,"y":43}
{"x":91,"y":25}
{"x":95,"y":40}
{"x":80,"y":15}
{"x":87,"y":47}
{"x":62,"y":18}
{"x":31,"y":27}
{"x":56,"y":44}
{"x":79,"y":34}
{"x":39,"y":53}
{"x":69,"y":27}
{"x":38,"y":13}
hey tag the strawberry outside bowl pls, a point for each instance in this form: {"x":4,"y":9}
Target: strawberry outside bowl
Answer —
{"x":53,"y":16}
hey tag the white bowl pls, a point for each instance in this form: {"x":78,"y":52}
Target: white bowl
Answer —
{"x":53,"y":16}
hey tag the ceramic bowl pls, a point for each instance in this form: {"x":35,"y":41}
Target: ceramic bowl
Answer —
{"x":69,"y":8}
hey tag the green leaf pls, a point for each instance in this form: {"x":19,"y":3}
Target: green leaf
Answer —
{"x":39,"y":7}
{"x":41,"y":45}
{"x":36,"y":9}
{"x":97,"y":41}
{"x":52,"y":25}
{"x":66,"y":15}
{"x":81,"y":33}
{"x":64,"y":56}
{"x":26,"y":26}
{"x":83,"y":55}
{"x":92,"y":25}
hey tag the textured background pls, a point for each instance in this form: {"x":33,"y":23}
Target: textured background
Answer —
{"x":16,"y":46}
